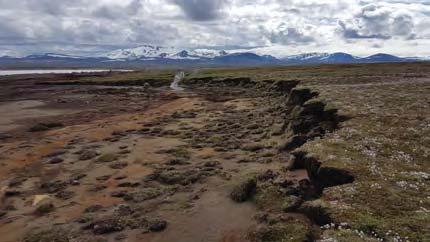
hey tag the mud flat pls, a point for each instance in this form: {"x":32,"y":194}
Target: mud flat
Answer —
{"x":226,"y":159}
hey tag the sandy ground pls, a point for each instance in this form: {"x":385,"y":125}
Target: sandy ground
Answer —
{"x":107,"y":121}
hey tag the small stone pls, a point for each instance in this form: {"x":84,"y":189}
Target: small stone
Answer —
{"x":118,"y":194}
{"x":118,"y":165}
{"x":106,"y":226}
{"x":45,"y":208}
{"x":87,"y":155}
{"x":65,"y":195}
{"x":55,"y":160}
{"x":212,"y":164}
{"x":93,"y":208}
{"x":12,"y":193}
{"x":157,"y":225}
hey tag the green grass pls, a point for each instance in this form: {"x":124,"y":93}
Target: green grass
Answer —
{"x":385,"y":143}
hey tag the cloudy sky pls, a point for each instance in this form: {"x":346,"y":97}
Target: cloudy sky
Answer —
{"x":278,"y":27}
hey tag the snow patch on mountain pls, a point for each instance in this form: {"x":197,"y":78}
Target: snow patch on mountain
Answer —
{"x":147,"y":52}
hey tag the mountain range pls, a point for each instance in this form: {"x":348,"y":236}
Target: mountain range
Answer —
{"x":148,"y":55}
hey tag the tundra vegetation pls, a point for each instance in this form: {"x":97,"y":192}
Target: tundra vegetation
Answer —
{"x":305,"y":153}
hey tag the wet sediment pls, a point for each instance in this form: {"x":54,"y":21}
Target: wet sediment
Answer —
{"x":297,"y":116}
{"x":226,"y":131}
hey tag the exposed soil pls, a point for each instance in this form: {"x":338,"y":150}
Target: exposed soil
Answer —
{"x":215,"y":162}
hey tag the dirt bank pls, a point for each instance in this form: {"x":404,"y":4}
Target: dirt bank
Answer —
{"x":215,"y":162}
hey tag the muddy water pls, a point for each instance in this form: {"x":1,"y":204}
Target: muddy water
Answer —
{"x":23,"y":110}
{"x":24,"y":72}
{"x":214,"y":218}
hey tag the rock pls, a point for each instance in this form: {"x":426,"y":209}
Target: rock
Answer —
{"x":243,"y":191}
{"x":5,"y":136}
{"x":53,"y":187}
{"x":253,"y":147}
{"x":106,"y":226}
{"x":129,"y":184}
{"x":45,"y":208}
{"x":39,"y":198}
{"x":267,"y":175}
{"x":212,"y":164}
{"x":118,"y":165}
{"x":118,"y":194}
{"x":291,"y":203}
{"x":157,"y":225}
{"x":316,"y":211}
{"x":88,"y":155}
{"x":123,"y":210}
{"x":103,"y":178}
{"x":120,"y":237}
{"x":176,"y":162}
{"x":177,"y":177}
{"x":328,"y":177}
{"x":65,"y":195}
{"x":51,"y":234}
{"x":124,"y":152}
{"x":16,"y":181}
{"x":56,"y":153}
{"x":11,"y":193}
{"x":45,"y":126}
{"x":93,"y":208}
{"x":143,"y":195}
{"x":78,"y":177}
{"x":55,"y":160}
{"x":120,"y":177}
{"x":10,"y":207}
{"x":107,"y":158}
{"x":97,"y":188}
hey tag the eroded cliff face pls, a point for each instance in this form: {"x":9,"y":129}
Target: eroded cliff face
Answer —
{"x":293,"y":190}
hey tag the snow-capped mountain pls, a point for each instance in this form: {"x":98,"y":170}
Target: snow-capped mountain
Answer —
{"x":149,"y":52}
{"x":306,"y":56}
{"x":326,"y":58}
{"x":148,"y":55}
{"x":54,"y":56}
{"x":145,"y":51}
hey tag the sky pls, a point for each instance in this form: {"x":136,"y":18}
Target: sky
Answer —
{"x":276,"y":27}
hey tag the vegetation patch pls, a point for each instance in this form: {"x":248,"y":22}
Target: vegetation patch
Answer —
{"x":45,"y":126}
{"x":244,"y":190}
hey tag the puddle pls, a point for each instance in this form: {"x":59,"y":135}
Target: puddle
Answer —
{"x":23,"y":110}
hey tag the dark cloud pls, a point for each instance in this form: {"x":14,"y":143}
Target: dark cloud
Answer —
{"x":118,"y":12}
{"x":202,"y":10}
{"x":56,"y":8}
{"x":377,"y":22}
{"x":288,"y":35}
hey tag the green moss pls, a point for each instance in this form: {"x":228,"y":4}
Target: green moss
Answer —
{"x":244,"y":190}
{"x":45,"y":208}
{"x":180,"y":153}
{"x":47,"y":235}
{"x":106,"y":158}
{"x":45,"y":126}
{"x":268,"y":197}
{"x":368,"y":223}
{"x":290,"y":231}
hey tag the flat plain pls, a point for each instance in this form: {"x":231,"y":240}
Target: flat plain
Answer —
{"x":299,"y":153}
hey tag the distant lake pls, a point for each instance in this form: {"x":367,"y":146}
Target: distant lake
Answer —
{"x":65,"y":71}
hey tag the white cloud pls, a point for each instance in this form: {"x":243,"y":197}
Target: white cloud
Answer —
{"x":275,"y":26}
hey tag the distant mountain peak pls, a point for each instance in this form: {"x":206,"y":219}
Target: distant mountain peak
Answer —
{"x":159,"y":55}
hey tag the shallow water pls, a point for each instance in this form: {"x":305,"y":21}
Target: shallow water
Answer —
{"x":64,"y":71}
{"x":178,"y":78}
